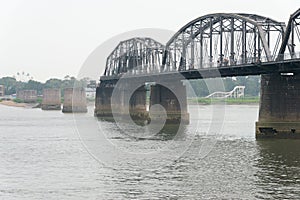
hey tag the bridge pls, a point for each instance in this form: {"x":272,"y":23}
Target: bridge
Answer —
{"x":214,"y":45}
{"x":236,"y":92}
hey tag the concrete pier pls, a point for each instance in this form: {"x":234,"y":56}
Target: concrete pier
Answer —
{"x":27,"y":96}
{"x":173,"y":100}
{"x":103,"y":100}
{"x":74,"y":100}
{"x":51,"y":99}
{"x":279,"y":112}
{"x":137,"y":104}
{"x":174,"y":105}
{"x":2,"y":90}
{"x":122,"y":103}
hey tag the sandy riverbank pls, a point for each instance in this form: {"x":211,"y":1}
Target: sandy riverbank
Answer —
{"x":14,"y":104}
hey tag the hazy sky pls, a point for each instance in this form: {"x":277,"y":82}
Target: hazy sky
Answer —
{"x":53,"y":38}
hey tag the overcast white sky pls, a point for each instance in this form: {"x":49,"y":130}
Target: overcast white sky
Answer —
{"x":53,"y":38}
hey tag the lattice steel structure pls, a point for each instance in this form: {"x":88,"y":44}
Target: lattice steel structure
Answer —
{"x":223,"y":39}
{"x":291,"y":38}
{"x":136,"y":55}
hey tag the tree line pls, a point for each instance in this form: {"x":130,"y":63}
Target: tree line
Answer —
{"x":12,"y":85}
{"x":198,"y":87}
{"x":204,"y":87}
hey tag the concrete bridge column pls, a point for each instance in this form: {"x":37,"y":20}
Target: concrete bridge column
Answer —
{"x":175,"y":105}
{"x":51,"y":99}
{"x":137,"y":104}
{"x":130,"y":102}
{"x":74,"y":100}
{"x":123,"y":101}
{"x":279,"y":112}
{"x":103,"y":101}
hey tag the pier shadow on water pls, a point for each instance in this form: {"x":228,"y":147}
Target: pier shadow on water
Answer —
{"x":157,"y":131}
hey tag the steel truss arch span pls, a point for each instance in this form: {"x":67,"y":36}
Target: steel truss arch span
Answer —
{"x":291,"y":39}
{"x":138,"y":55}
{"x":223,"y":39}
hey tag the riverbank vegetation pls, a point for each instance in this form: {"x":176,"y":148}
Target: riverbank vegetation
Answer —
{"x":12,"y":85}
{"x":228,"y":101}
{"x":204,"y":87}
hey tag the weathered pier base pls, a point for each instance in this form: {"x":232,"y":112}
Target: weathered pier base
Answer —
{"x":51,"y":99}
{"x":126,"y":101}
{"x":123,"y":102}
{"x":279,"y":112}
{"x":137,"y":104}
{"x":103,"y":100}
{"x":74,"y":100}
{"x":27,"y":96}
{"x":174,"y":101}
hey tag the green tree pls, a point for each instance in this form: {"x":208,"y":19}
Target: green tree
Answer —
{"x":53,"y":83}
{"x":34,"y":85}
{"x":10,"y":84}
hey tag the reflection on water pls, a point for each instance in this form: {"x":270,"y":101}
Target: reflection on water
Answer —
{"x":42,"y":157}
{"x":279,"y":168}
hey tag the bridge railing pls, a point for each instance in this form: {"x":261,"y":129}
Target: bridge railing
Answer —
{"x":240,"y":62}
{"x":210,"y":65}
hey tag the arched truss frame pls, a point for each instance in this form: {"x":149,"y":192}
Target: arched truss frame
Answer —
{"x":223,"y":39}
{"x":291,"y":37}
{"x":138,"y":55}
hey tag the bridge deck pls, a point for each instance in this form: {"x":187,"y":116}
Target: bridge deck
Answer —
{"x":286,"y":66}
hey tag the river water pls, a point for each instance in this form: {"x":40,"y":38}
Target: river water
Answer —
{"x":42,"y":156}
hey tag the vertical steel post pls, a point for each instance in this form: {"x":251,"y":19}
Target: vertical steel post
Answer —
{"x":293,"y":39}
{"x":255,"y":38}
{"x":244,"y":43}
{"x":201,"y":50}
{"x":210,"y":41}
{"x":268,"y":36}
{"x":175,"y":62}
{"x":232,"y":62}
{"x":221,"y":41}
{"x":258,"y":48}
{"x":183,"y":56}
{"x":192,"y":50}
{"x":201,"y":46}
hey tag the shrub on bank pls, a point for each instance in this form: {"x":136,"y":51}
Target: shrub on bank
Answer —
{"x":16,"y":100}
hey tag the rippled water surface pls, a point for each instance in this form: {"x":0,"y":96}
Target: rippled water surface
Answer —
{"x":43,"y":157}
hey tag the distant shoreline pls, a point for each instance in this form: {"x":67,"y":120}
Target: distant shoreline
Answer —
{"x":227,"y":101}
{"x":200,"y":101}
{"x":13,"y":104}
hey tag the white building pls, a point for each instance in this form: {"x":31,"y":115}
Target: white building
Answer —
{"x":90,"y":93}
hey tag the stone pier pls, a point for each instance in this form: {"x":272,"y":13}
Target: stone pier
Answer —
{"x":137,"y":104}
{"x":126,"y":101}
{"x":51,"y":99}
{"x":74,"y":100}
{"x":103,"y":100}
{"x":27,"y":96}
{"x":279,"y":112}
{"x":122,"y":104}
{"x":2,"y":90}
{"x":175,"y":105}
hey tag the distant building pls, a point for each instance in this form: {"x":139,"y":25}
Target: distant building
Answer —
{"x":90,"y":89}
{"x":28,"y":96}
{"x":92,"y":84}
{"x":2,"y":90}
{"x":90,"y":93}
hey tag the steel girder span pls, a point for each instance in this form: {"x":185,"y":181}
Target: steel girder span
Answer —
{"x":223,"y":39}
{"x":136,"y":55}
{"x":291,"y":38}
